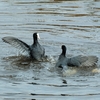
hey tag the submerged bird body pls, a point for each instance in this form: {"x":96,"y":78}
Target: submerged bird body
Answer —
{"x":35,"y":51}
{"x":78,"y":61}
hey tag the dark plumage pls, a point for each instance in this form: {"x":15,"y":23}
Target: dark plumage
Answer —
{"x":35,"y":51}
{"x":78,"y":61}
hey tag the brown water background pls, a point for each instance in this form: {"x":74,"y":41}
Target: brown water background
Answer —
{"x":74,"y":23}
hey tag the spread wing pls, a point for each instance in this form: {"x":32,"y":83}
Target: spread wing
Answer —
{"x":17,"y":44}
{"x":82,"y":61}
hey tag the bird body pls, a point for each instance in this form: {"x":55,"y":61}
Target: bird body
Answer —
{"x":37,"y":53}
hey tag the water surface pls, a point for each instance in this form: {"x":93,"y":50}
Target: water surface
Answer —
{"x":74,"y":23}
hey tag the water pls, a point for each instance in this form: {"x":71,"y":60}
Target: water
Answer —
{"x":75,"y":23}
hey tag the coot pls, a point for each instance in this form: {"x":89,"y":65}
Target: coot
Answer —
{"x":35,"y":51}
{"x":78,"y":61}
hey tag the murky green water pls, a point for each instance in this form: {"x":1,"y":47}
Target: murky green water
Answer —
{"x":75,"y":23}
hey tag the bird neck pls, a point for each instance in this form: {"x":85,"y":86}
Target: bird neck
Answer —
{"x":64,"y":53}
{"x":35,"y":40}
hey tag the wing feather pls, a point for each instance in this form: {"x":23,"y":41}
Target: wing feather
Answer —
{"x":17,"y":44}
{"x":82,"y":61}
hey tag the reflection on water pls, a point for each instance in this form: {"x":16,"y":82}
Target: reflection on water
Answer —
{"x":75,"y":23}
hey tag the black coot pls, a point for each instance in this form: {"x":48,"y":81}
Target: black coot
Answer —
{"x":35,"y":51}
{"x":78,"y":61}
